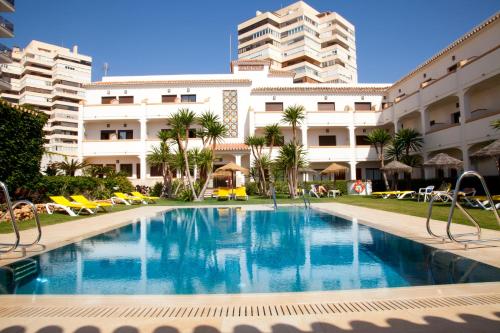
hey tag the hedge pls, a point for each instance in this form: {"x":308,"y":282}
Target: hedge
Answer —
{"x":21,"y":145}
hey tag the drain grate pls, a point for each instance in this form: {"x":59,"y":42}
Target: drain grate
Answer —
{"x":224,"y":311}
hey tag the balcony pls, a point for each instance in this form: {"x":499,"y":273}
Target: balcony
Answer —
{"x":165,"y":110}
{"x":326,"y":154}
{"x":367,"y":118}
{"x":112,"y":111}
{"x":407,"y":104}
{"x":5,"y":54}
{"x":6,"y":28}
{"x":264,"y":118}
{"x":480,"y":129}
{"x":480,"y":68}
{"x":329,"y":118}
{"x":109,"y":147}
{"x":440,"y":88}
{"x":7,"y":6}
{"x":442,"y":137}
{"x":5,"y":85}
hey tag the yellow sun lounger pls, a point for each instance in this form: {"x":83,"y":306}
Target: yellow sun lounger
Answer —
{"x":240,"y":193}
{"x":72,"y":208}
{"x":223,"y":194}
{"x":145,"y":197}
{"x":99,"y":204}
{"x":127,"y":199}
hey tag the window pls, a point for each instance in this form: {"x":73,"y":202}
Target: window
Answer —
{"x":188,"y":98}
{"x":155,"y":171}
{"x":106,"y":134}
{"x":326,"y":106}
{"x":126,"y":99}
{"x":362,"y":106}
{"x":111,"y":166}
{"x":107,"y":99}
{"x":373,"y":174}
{"x":327,"y":140}
{"x":362,"y":140}
{"x":168,"y":98}
{"x":453,"y":68}
{"x":273,"y":106}
{"x":125,"y":134}
{"x":455,"y":117}
{"x":192,"y":133}
{"x":127,"y":168}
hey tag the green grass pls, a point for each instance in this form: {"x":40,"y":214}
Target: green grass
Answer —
{"x":408,"y":207}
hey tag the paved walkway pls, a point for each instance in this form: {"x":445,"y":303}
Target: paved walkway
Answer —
{"x":449,"y":308}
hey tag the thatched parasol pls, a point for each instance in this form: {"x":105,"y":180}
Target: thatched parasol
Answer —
{"x":394,"y":168}
{"x":232,"y":168}
{"x":308,"y":170}
{"x":491,"y":150}
{"x":334,"y":169}
{"x":444,"y":160}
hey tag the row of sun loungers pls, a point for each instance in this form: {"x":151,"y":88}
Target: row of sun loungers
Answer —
{"x":238,"y":193}
{"x":81,"y":204}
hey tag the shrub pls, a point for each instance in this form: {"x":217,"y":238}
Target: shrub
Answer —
{"x":156,"y":189}
{"x":251,"y":188}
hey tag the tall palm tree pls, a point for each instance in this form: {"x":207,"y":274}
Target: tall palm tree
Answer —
{"x":70,"y":167}
{"x":181,"y":122}
{"x":290,"y":156}
{"x":273,"y":136}
{"x":294,"y":115}
{"x":162,"y":156}
{"x":213,"y":132}
{"x":256,"y":144}
{"x":379,"y":138}
{"x":409,"y":139}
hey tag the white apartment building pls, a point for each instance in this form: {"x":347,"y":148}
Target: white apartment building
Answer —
{"x":6,"y":31}
{"x":317,"y":47}
{"x":51,"y":79}
{"x":451,"y":99}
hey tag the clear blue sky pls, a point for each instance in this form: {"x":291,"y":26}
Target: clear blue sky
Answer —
{"x":138,"y":37}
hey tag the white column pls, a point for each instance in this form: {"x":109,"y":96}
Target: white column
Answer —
{"x":303,"y":130}
{"x":144,"y":136}
{"x":81,"y":130}
{"x":464,"y":106}
{"x":239,"y":180}
{"x":352,"y":166}
{"x":251,"y":122}
{"x":424,"y":119}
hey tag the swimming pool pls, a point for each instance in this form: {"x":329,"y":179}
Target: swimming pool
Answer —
{"x":232,"y":250}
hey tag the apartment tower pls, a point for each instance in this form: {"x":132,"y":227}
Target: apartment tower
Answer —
{"x":6,"y":31}
{"x":50,"y":78}
{"x":316,"y":46}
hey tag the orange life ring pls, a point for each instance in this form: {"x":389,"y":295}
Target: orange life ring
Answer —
{"x":358,"y":187}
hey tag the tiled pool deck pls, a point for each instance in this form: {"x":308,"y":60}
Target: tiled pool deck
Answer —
{"x":453,"y":308}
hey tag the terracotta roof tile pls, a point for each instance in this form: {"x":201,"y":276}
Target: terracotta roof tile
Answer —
{"x":231,"y":146}
{"x":276,"y":73}
{"x":168,"y":82}
{"x":322,"y":90}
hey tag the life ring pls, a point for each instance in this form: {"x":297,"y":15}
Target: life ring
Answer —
{"x":358,"y":187}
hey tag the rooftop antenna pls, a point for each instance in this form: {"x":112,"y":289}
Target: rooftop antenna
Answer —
{"x":230,"y":48}
{"x":105,"y":68}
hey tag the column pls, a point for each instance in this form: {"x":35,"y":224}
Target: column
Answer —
{"x":303,"y":130}
{"x":352,"y":166}
{"x":251,"y":122}
{"x":239,"y":181}
{"x":144,"y":135}
{"x":464,"y":106}
{"x":424,"y":118}
{"x":81,"y":130}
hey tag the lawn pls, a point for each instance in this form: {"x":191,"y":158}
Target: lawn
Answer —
{"x":409,"y":207}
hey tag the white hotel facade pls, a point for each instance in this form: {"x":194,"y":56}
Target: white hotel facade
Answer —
{"x":451,"y":99}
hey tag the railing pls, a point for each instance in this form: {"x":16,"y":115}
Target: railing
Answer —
{"x":6,"y":24}
{"x":273,"y":194}
{"x":307,"y":202}
{"x":5,"y":50}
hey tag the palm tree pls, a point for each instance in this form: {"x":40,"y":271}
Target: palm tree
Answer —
{"x":161,"y":156}
{"x":294,"y":115}
{"x":409,"y":139}
{"x":379,"y":138}
{"x":213,"y":132}
{"x":181,"y":122}
{"x":256,"y":144}
{"x":71,"y":167}
{"x":496,"y":124}
{"x":273,"y":136}
{"x":290,"y":156}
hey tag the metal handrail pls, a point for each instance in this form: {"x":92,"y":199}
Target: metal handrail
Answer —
{"x":37,"y":221}
{"x":273,"y":195}
{"x":307,"y":202}
{"x":453,"y":237}
{"x":11,"y":247}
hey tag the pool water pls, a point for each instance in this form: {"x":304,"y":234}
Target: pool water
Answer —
{"x":232,"y":250}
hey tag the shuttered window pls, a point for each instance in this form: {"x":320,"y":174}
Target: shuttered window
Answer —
{"x":326,"y":106}
{"x":327,"y":140}
{"x":362,"y":106}
{"x":168,"y":98}
{"x":273,"y":106}
{"x":126,"y":99}
{"x":107,"y":99}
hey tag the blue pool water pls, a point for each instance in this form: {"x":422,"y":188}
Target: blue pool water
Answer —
{"x":195,"y":251}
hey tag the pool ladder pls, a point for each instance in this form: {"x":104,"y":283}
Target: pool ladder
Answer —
{"x":454,"y":203}
{"x":6,"y":248}
{"x":307,"y":202}
{"x":273,"y":195}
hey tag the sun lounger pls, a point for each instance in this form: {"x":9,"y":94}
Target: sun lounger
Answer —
{"x":145,"y":197}
{"x":481,"y":201}
{"x":99,"y":204}
{"x":72,"y":208}
{"x":240,"y":193}
{"x":386,"y":194}
{"x":126,"y":199}
{"x":425,"y":192}
{"x":223,"y":194}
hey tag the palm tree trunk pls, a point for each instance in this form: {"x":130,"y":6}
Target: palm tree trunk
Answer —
{"x":384,"y":176}
{"x":209,"y":173}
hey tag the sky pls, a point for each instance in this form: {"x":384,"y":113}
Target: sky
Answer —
{"x":146,"y":37}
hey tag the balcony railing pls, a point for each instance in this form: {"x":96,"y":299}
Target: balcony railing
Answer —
{"x":5,"y":50}
{"x":6,"y":24}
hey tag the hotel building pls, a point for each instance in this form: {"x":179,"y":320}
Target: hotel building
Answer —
{"x":317,"y":47}
{"x":451,"y":99}
{"x":6,"y":31}
{"x":50,"y":78}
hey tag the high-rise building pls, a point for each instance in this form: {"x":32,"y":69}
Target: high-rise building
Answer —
{"x":50,"y":78}
{"x":6,"y":31}
{"x":317,"y":47}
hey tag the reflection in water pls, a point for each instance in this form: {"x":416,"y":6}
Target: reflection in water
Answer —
{"x":227,"y":250}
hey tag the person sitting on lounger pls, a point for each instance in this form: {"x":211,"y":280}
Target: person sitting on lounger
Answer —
{"x":322,"y":190}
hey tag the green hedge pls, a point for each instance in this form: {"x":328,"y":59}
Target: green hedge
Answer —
{"x":281,"y":187}
{"x":21,"y":145}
